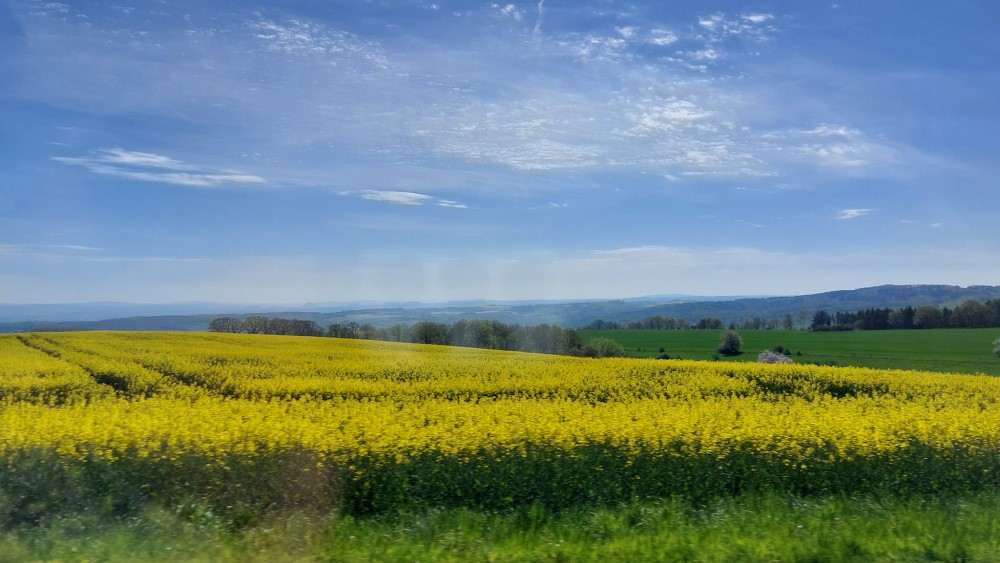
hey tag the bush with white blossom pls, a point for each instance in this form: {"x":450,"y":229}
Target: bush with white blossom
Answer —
{"x":771,"y":357}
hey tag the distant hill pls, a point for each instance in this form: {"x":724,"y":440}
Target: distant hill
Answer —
{"x":883,"y":296}
{"x":567,"y":314}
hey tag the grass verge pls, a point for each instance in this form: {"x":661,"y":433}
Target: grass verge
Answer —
{"x":752,"y":527}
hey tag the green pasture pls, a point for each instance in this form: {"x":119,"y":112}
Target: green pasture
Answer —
{"x":945,"y":350}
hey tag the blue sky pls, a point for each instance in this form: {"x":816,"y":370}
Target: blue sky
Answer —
{"x":330,"y":151}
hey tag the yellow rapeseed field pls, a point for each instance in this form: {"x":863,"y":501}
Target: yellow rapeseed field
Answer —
{"x":264,"y":421}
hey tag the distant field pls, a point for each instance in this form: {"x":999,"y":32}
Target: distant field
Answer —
{"x":948,"y":350}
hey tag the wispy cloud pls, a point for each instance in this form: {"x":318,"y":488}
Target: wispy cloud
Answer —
{"x":757,"y":18}
{"x":510,"y":10}
{"x":752,"y":26}
{"x":536,"y":33}
{"x":149,"y":167}
{"x":408,"y":198}
{"x":297,"y":37}
{"x":399,"y":198}
{"x":79,"y":253}
{"x":842,"y":149}
{"x":651,"y":252}
{"x":853,"y":213}
{"x":628,"y":32}
{"x":662,"y":37}
{"x":451,"y":204}
{"x":43,"y":249}
{"x":165,"y":259}
{"x":661,"y":97}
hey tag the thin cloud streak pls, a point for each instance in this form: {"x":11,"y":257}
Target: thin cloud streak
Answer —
{"x":536,"y":32}
{"x":407,"y":198}
{"x":148,"y":167}
{"x":847,"y":214}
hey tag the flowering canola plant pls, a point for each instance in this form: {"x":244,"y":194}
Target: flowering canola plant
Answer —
{"x":363,"y":426}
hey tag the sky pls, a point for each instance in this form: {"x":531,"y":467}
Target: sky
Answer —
{"x":326,"y":151}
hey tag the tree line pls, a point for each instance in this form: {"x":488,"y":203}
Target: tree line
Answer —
{"x":969,"y":314}
{"x":544,"y":338}
{"x":255,"y":324}
{"x":658,"y":322}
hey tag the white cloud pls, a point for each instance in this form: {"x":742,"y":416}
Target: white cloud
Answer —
{"x":627,"y":32}
{"x":720,"y":27}
{"x":408,"y":198}
{"x":667,"y":115}
{"x":149,"y":167}
{"x":76,"y":247}
{"x":399,"y":198}
{"x":644,"y":253}
{"x":828,"y":130}
{"x":662,"y":37}
{"x":304,"y":38}
{"x":710,"y":22}
{"x":134,"y":158}
{"x":844,"y":150}
{"x":602,"y":49}
{"x":536,"y":33}
{"x":510,"y":10}
{"x":577,"y":102}
{"x":757,"y":18}
{"x":853,"y":213}
{"x":705,"y":54}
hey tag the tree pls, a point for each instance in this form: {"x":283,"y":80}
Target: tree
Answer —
{"x":225,"y":324}
{"x":255,"y":324}
{"x":570,"y":342}
{"x":396,"y":333}
{"x":927,"y":316}
{"x":709,"y":323}
{"x":730,"y":344}
{"x":300,"y":327}
{"x":277,"y":325}
{"x":896,"y":318}
{"x":337,"y":330}
{"x":820,"y":319}
{"x":802,"y":316}
{"x":972,"y":314}
{"x":994,"y":305}
{"x":427,"y":332}
{"x":607,"y":348}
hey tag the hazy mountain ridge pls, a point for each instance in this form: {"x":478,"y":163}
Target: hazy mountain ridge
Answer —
{"x":568,"y":313}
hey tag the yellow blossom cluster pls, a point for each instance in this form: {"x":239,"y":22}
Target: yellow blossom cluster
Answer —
{"x":482,"y":420}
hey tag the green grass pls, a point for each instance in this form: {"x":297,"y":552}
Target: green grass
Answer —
{"x":947,"y":350}
{"x":754,"y":528}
